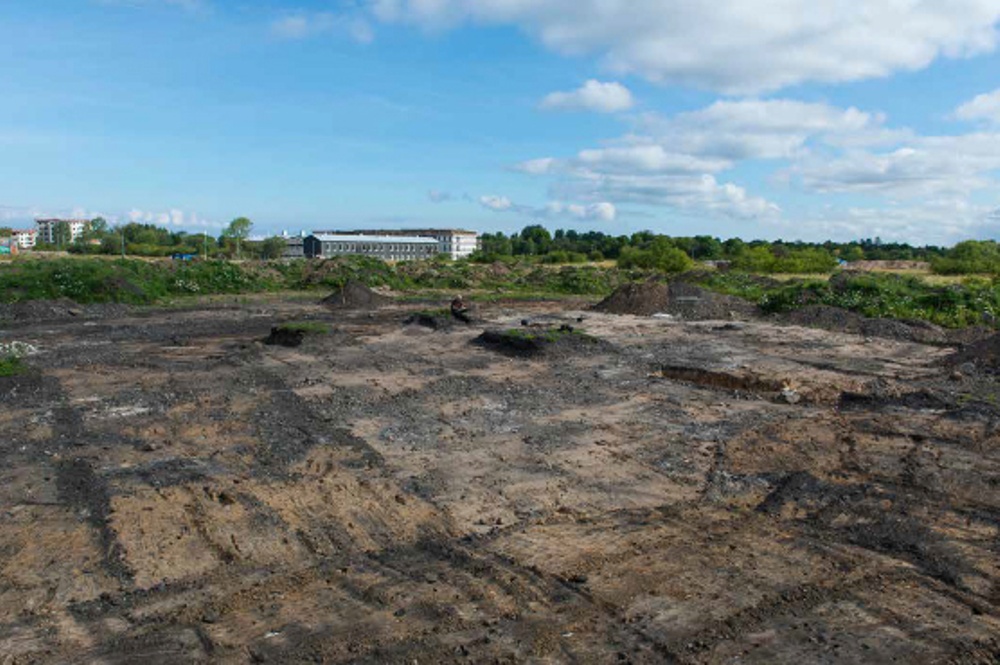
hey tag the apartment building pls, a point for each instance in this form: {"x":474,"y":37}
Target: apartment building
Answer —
{"x":47,"y":229}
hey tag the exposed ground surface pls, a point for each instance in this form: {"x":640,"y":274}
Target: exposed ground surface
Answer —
{"x":174,"y":491}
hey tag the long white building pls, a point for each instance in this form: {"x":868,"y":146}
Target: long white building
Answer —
{"x":456,"y":243}
{"x":387,"y":248}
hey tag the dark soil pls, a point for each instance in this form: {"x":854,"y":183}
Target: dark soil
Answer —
{"x":355,"y":295}
{"x":56,"y":310}
{"x":637,"y":298}
{"x":984,"y":355}
{"x":285,"y":337}
{"x":678,"y":298}
{"x":534,"y":341}
{"x":442,"y":321}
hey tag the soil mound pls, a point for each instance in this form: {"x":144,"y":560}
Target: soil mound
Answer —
{"x":531,"y":342}
{"x":679,"y":298}
{"x":695,"y":303}
{"x":842,"y":320}
{"x":637,"y":298}
{"x":432,"y":320}
{"x":355,"y":295}
{"x":281,"y":336}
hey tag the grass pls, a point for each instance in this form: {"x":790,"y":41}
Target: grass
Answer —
{"x":12,"y":366}
{"x":306,"y":327}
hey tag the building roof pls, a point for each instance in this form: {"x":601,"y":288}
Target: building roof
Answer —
{"x":385,"y":240}
{"x":413,"y":232}
{"x":56,"y":219}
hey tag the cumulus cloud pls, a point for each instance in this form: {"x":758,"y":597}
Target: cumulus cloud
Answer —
{"x":495,"y":203}
{"x":921,"y":167}
{"x":690,"y":193}
{"x":735,"y":46}
{"x":982,"y":107}
{"x":171,"y":218}
{"x":598,"y":211}
{"x":304,"y":25}
{"x":592,"y":96}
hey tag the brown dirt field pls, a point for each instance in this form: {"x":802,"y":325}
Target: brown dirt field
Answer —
{"x":172,"y":490}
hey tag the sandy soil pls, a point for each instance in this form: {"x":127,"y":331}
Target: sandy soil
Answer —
{"x":174,"y":491}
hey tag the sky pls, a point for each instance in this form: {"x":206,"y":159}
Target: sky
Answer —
{"x":792,"y":119}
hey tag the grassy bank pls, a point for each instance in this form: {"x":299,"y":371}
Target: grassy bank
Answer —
{"x":141,"y":282}
{"x":974,"y":301}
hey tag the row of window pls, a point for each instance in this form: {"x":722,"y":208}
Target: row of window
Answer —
{"x":351,"y":247}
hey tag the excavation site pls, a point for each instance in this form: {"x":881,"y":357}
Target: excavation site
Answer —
{"x":367,"y":480}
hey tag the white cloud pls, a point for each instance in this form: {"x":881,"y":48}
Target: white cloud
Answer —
{"x":592,"y":96}
{"x":736,"y":46}
{"x":495,"y":203}
{"x":175,"y":218}
{"x":690,"y":193}
{"x":593,"y":212}
{"x":982,"y":107}
{"x":922,"y":167}
{"x":305,"y":25}
{"x":935,"y":222}
{"x":598,"y":211}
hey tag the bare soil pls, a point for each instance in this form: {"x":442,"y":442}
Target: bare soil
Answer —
{"x":172,"y":490}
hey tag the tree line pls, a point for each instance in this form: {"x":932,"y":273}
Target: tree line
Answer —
{"x":135,"y":239}
{"x":646,"y":249}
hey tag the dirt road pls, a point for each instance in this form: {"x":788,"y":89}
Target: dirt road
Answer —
{"x":174,"y":491}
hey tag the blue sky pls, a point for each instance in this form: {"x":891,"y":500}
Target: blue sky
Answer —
{"x":754,"y":118}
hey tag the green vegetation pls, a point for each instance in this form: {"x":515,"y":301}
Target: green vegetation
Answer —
{"x":543,"y":335}
{"x":305,"y":327}
{"x":137,"y":281}
{"x":976,"y":301}
{"x":968,"y":258}
{"x":12,"y":365}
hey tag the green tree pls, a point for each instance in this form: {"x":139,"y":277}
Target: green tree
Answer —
{"x":238,"y":230}
{"x":273,"y":248}
{"x":61,"y":234}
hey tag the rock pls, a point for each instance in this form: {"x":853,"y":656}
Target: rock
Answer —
{"x":790,"y":396}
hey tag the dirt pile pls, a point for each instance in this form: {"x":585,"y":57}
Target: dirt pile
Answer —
{"x":282,"y":336}
{"x":679,"y":298}
{"x":435,"y":320}
{"x":841,"y":320}
{"x":695,"y":303}
{"x":533,"y":341}
{"x":637,"y":298}
{"x":355,"y":295}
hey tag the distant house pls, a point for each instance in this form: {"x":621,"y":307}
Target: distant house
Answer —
{"x":456,"y":243}
{"x":47,"y":229}
{"x":25,"y":238}
{"x":295,"y":247}
{"x":387,"y":248}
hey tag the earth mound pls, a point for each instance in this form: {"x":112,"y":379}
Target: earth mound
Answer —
{"x":435,"y":320}
{"x":355,"y":295}
{"x":532,"y":341}
{"x":637,"y":298}
{"x":679,"y":298}
{"x":841,"y":320}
